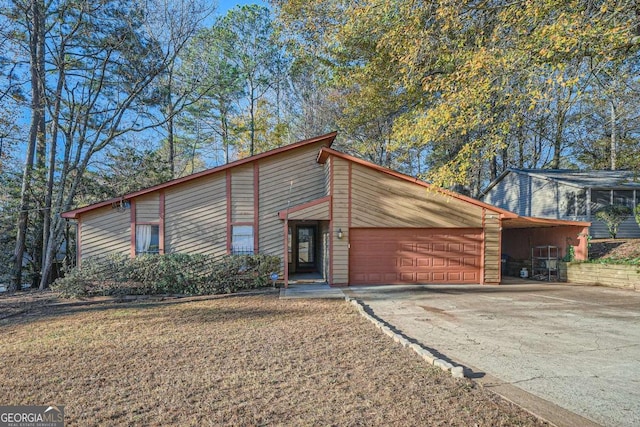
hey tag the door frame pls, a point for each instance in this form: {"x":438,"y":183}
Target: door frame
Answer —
{"x":294,"y":260}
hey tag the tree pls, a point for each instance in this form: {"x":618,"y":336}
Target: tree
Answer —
{"x":103,"y":60}
{"x":484,"y":83}
{"x":250,"y":45}
{"x":613,"y":216}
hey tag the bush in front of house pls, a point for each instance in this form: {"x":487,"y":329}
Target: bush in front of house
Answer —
{"x":167,"y":274}
{"x":613,"y":216}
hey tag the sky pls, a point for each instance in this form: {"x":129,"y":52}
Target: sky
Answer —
{"x":225,"y":5}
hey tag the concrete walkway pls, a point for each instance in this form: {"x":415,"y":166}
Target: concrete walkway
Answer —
{"x":311,"y":290}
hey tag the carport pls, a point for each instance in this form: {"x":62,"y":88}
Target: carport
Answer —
{"x":521,"y":234}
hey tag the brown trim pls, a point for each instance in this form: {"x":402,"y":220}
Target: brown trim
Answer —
{"x":483,"y":247}
{"x":325,"y":152}
{"x":161,"y":250}
{"x":256,"y":206}
{"x":531,"y":222}
{"x":241,"y":223}
{"x":228,"y":197}
{"x":303,"y":206}
{"x":79,"y":243}
{"x":331,"y":222}
{"x":132,"y":217}
{"x":286,"y":252}
{"x":349,"y":196}
{"x":500,"y":249}
{"x":327,"y":139}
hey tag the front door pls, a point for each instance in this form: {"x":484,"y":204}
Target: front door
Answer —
{"x":306,"y":248}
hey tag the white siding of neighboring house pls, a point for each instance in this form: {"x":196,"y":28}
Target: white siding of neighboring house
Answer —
{"x":507,"y":194}
{"x":538,"y":197}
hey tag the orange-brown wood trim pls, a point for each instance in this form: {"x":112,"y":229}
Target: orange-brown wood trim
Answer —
{"x":132,"y":221}
{"x":331,"y":222}
{"x":349,"y":197}
{"x":285,"y":256}
{"x":500,"y":249}
{"x":482,"y":247}
{"x":283,"y":214}
{"x":256,"y":206}
{"x":228,"y":183}
{"x":79,"y":242}
{"x":161,"y":225}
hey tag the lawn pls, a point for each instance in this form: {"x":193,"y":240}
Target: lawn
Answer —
{"x":233,"y":360}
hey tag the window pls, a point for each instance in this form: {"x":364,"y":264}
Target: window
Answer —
{"x":147,"y":239}
{"x":600,"y":199}
{"x":576,"y":204}
{"x":623,"y":197}
{"x":241,"y":239}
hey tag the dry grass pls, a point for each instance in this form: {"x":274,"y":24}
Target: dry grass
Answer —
{"x":239,"y":360}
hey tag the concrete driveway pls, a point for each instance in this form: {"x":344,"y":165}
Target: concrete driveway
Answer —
{"x":555,"y":349}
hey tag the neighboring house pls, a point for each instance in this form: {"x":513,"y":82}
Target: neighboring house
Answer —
{"x":567,"y":194}
{"x":321,"y":211}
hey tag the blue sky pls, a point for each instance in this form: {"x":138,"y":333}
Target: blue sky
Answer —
{"x":225,"y":5}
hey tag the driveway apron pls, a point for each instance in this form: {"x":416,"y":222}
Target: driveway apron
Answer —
{"x":575,"y":346}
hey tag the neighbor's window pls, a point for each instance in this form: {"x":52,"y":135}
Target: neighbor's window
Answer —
{"x":241,"y":239}
{"x":147,"y":239}
{"x":576,"y":203}
{"x":600,"y":199}
{"x":623,"y":197}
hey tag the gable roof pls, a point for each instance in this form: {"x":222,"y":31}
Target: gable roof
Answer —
{"x":598,"y":179}
{"x":327,"y":140}
{"x":325,"y":152}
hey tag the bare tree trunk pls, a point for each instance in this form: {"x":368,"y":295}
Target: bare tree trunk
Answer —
{"x":170,"y":135}
{"x":36,"y":133}
{"x":49,"y":231}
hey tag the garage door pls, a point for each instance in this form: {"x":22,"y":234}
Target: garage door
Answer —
{"x":403,"y":255}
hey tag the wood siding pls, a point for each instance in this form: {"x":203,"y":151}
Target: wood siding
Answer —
{"x":195,"y":216}
{"x":492,"y":249}
{"x":276,"y":175}
{"x":340,"y":220}
{"x":242,"y":194}
{"x":148,"y":208}
{"x":380,"y":200}
{"x":105,"y":231}
{"x":317,"y":211}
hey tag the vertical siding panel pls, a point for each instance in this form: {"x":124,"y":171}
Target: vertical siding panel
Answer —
{"x":340,"y":220}
{"x":105,"y":231}
{"x":196,"y":216}
{"x":492,"y":249}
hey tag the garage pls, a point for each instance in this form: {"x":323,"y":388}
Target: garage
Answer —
{"x":415,"y":255}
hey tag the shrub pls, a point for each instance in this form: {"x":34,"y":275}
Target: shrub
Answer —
{"x":636,"y":212}
{"x":167,"y":274}
{"x":613,"y":216}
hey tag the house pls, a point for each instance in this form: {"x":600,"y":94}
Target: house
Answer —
{"x":567,"y":194}
{"x":321,"y":211}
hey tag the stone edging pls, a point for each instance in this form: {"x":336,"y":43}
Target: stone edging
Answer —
{"x":426,"y":355}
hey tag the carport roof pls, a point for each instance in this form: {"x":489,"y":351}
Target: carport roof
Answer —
{"x":530,"y":222}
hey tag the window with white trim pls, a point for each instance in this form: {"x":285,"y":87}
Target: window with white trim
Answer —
{"x":241,"y":239}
